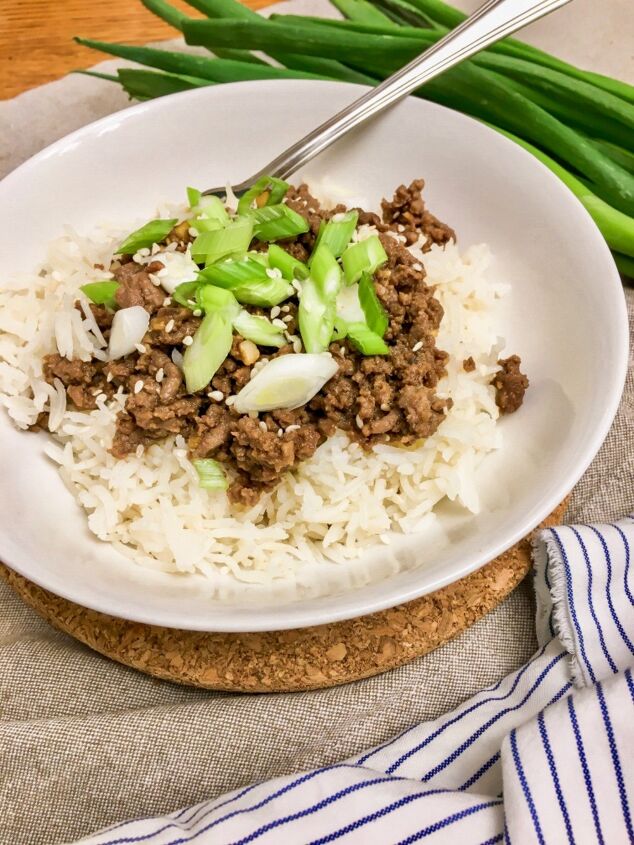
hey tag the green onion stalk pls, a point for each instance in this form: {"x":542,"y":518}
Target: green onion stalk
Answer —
{"x":579,"y":124}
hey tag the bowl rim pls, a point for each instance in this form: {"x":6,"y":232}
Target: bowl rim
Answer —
{"x":396,"y":594}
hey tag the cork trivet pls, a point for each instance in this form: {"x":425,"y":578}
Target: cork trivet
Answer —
{"x":286,"y":661}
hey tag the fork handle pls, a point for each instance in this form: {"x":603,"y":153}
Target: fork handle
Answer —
{"x":488,"y":24}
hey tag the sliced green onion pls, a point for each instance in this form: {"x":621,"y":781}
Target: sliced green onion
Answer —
{"x":349,"y":308}
{"x":250,"y":281}
{"x":276,"y":222}
{"x":265,"y":294}
{"x":261,"y":257}
{"x":316,"y":317}
{"x":276,"y":188}
{"x":234,"y":239}
{"x":258,"y":329}
{"x":291,"y":268}
{"x":185,"y":294}
{"x":210,"y":346}
{"x":340,"y":330}
{"x":286,"y":382}
{"x":211,"y":476}
{"x":325,"y":270}
{"x":193,"y":197}
{"x":206,"y":224}
{"x":215,"y":299}
{"x":101,"y":293}
{"x":366,"y":341}
{"x":363,"y":257}
{"x":317,"y":300}
{"x":152,"y":233}
{"x":336,"y":233}
{"x":210,"y":208}
{"x":375,"y":315}
{"x":232,"y":274}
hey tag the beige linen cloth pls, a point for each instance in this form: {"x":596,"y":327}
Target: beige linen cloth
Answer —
{"x":85,"y":742}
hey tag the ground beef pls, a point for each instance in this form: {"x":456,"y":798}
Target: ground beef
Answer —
{"x":136,"y":287}
{"x":510,"y":385}
{"x":171,"y":325}
{"x":103,"y":317}
{"x":83,"y":380}
{"x":69,"y":372}
{"x":372,"y":398}
{"x":408,"y":214}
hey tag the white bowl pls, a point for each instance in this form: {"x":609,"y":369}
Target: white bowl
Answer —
{"x":565,"y":316}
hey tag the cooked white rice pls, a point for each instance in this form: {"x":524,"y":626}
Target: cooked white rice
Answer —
{"x":331,"y":508}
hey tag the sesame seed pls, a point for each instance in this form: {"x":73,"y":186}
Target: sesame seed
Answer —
{"x":417,"y":346}
{"x":155,"y":248}
{"x":358,"y":421}
{"x":285,"y":308}
{"x":167,"y":301}
{"x":138,"y":387}
{"x":287,"y":319}
{"x":418,"y":266}
{"x":400,"y":227}
{"x":275,"y":311}
{"x":230,"y":400}
{"x":155,"y":280}
{"x":144,"y":251}
{"x":188,"y":340}
{"x":197,"y":312}
{"x":109,"y":377}
{"x":137,"y":258}
{"x":263,"y":425}
{"x":160,"y":375}
{"x":290,"y":428}
{"x":280,"y":432}
{"x":139,"y":450}
{"x":216,"y":395}
{"x":279,"y":324}
{"x":140,"y":347}
{"x":193,"y":232}
{"x":169,"y":326}
{"x":343,"y":351}
{"x":385,"y":406}
{"x":297,"y":346}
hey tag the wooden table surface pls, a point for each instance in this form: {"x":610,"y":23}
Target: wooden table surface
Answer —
{"x":36,"y":36}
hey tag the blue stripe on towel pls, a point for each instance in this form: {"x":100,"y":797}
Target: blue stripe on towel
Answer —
{"x":616,"y":761}
{"x":585,"y":770}
{"x":541,"y":723}
{"x":525,"y":787}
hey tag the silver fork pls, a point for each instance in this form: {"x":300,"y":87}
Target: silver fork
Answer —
{"x":494,"y":20}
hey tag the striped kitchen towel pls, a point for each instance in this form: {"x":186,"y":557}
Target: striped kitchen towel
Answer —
{"x":545,"y":756}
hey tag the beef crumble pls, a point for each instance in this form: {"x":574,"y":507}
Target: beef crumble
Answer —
{"x":510,"y":385}
{"x":372,"y":399}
